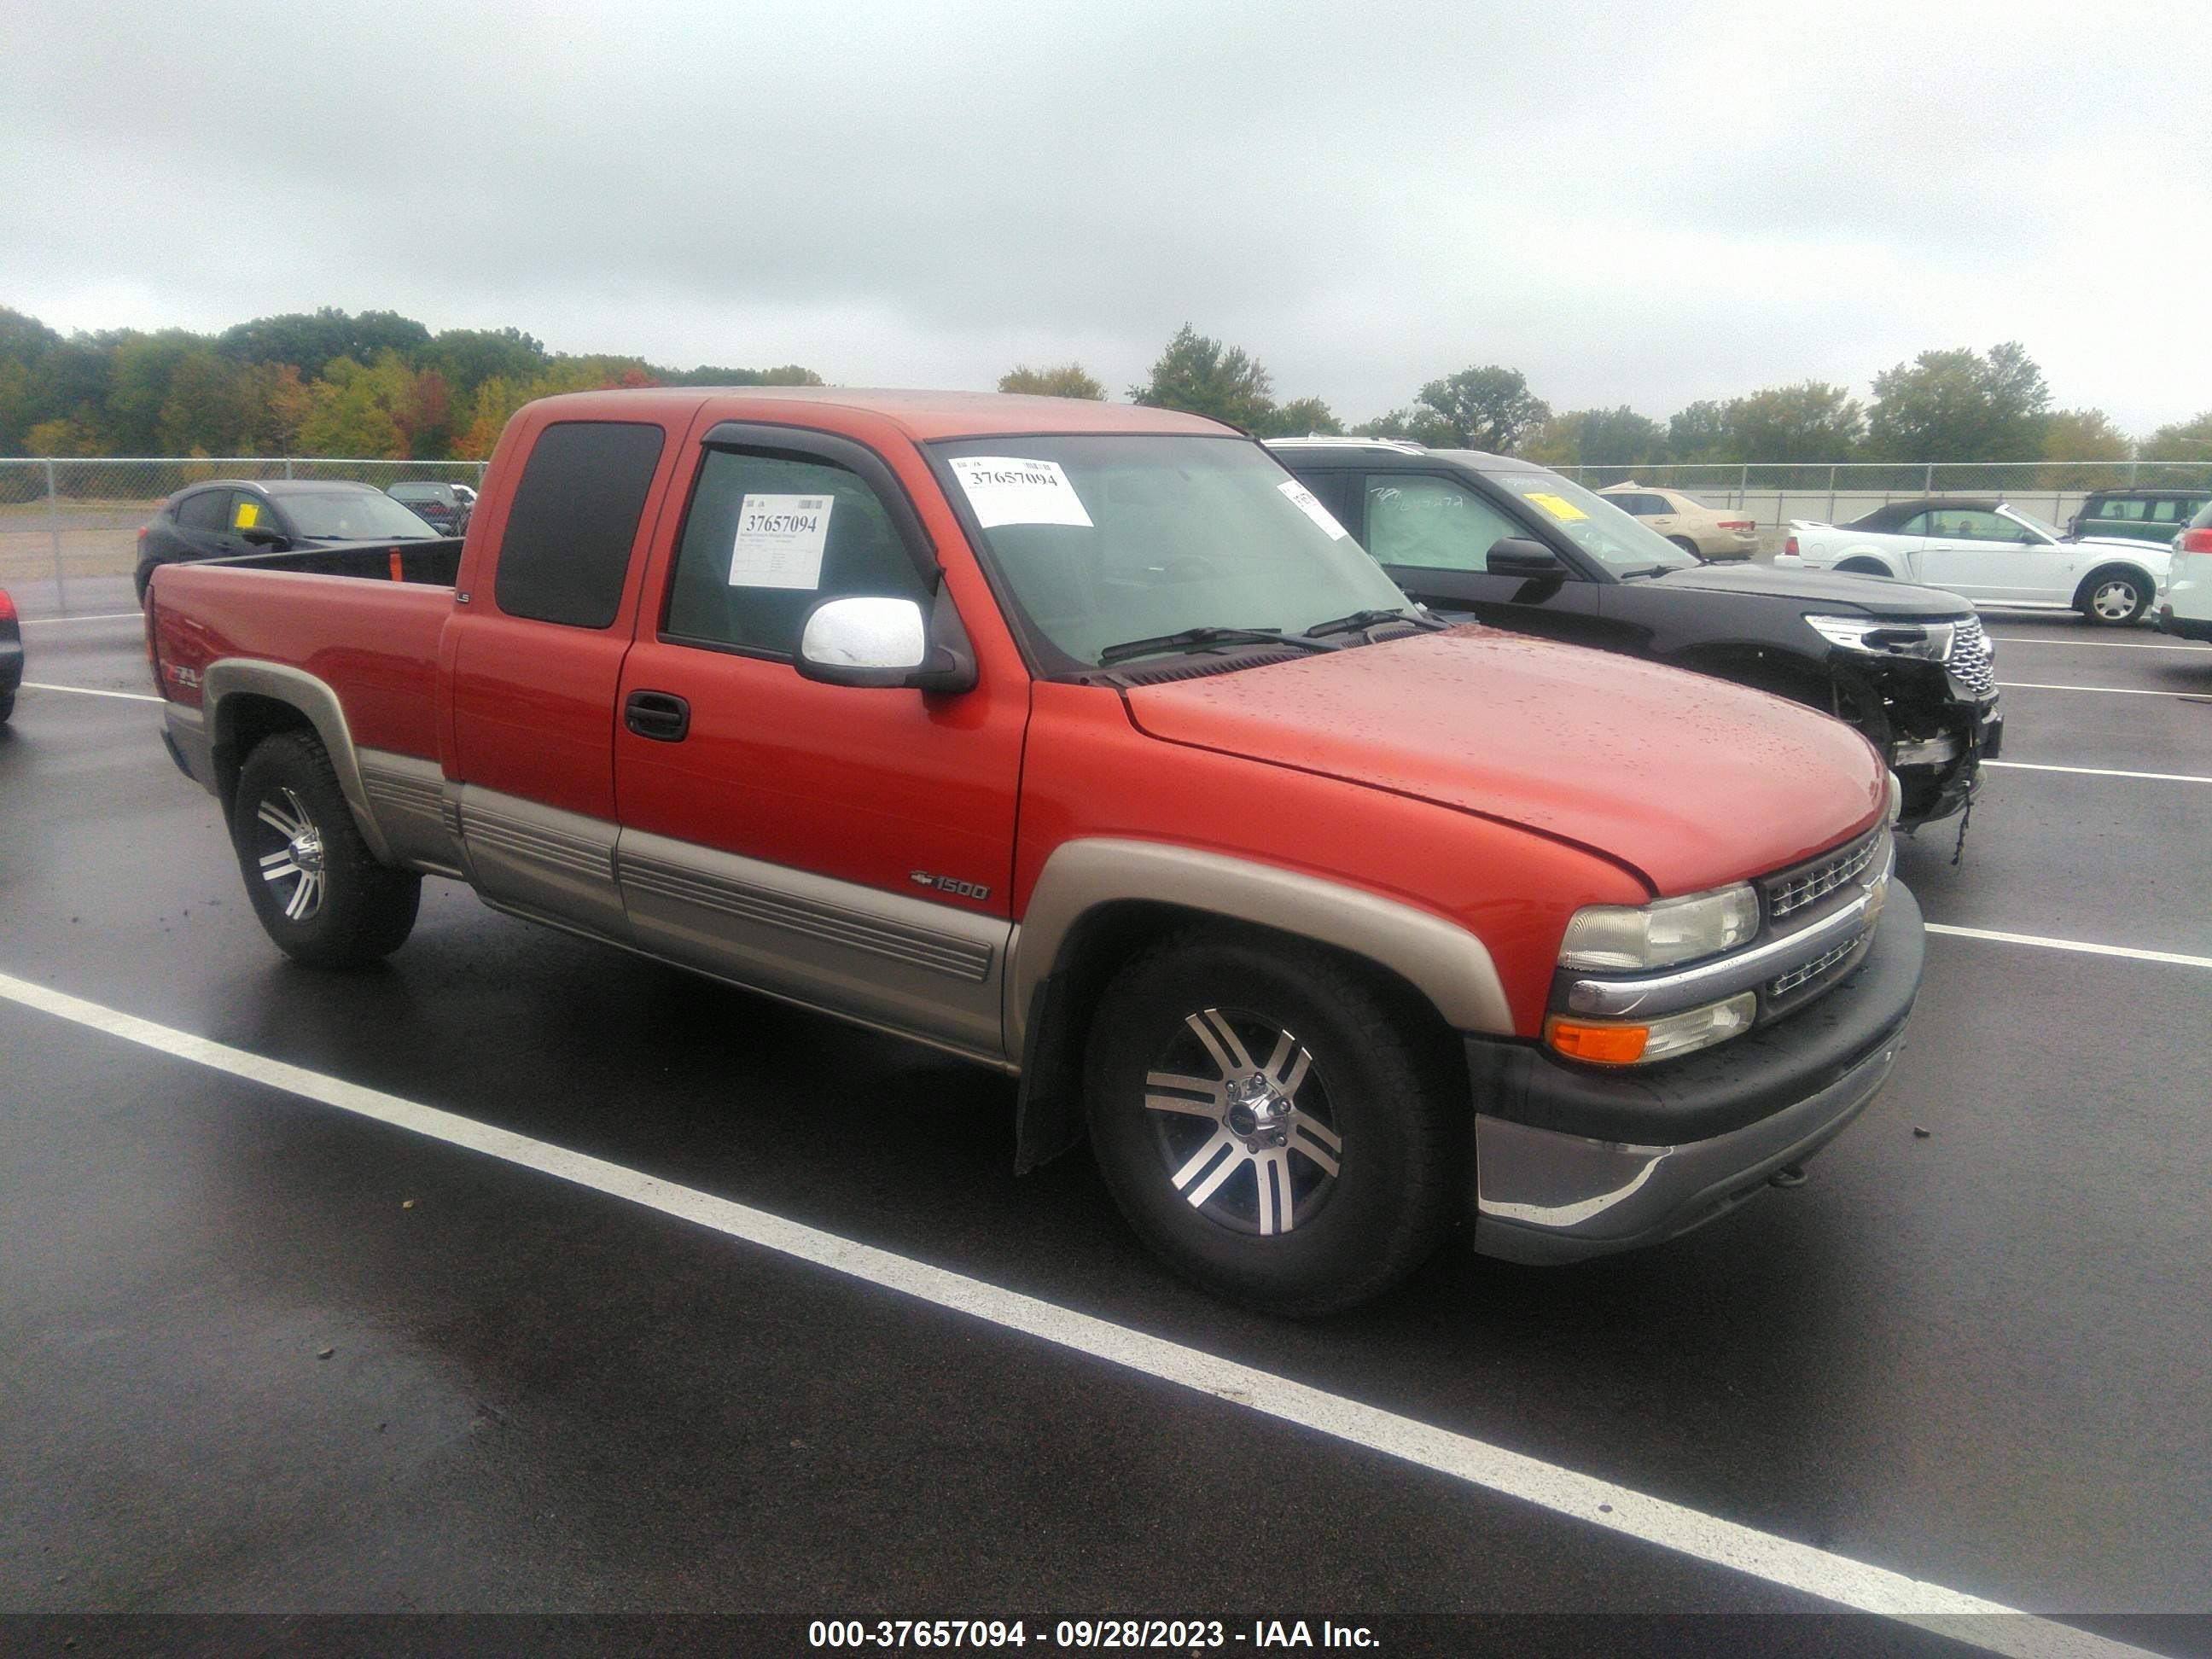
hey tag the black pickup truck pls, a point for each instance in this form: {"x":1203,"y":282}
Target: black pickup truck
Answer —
{"x":1521,"y":548}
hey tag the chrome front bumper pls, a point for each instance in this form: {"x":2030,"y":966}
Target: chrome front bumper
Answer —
{"x":1543,"y":1196}
{"x":1573,"y":1161}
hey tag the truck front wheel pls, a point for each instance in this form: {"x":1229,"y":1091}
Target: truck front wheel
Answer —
{"x":319,"y":891}
{"x":1275,"y":1129}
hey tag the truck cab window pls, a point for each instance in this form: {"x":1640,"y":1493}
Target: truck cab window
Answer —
{"x":769,"y":537}
{"x":574,"y":520}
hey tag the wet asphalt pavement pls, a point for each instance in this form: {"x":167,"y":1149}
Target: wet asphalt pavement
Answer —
{"x":1978,"y":1356}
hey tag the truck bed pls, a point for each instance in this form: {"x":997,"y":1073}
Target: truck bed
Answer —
{"x":335,"y":612}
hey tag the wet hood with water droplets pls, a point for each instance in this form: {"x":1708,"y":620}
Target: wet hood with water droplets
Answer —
{"x":1694,"y":781}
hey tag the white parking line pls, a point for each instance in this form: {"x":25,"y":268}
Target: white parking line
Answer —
{"x":2099,"y":772}
{"x":2116,"y":691}
{"x":2174,"y":956}
{"x":98,"y":616}
{"x":1781,"y":1561}
{"x":2102,"y":645}
{"x":86,"y":691}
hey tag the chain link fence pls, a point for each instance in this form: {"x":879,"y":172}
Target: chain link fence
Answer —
{"x":1774,"y":494}
{"x":69,"y":519}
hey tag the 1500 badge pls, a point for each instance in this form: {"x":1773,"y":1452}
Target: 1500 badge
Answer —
{"x":951,"y":884}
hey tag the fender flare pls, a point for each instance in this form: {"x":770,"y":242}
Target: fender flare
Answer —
{"x":296,"y":689}
{"x":1446,"y":964}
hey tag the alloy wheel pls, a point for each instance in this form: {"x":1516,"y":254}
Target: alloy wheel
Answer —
{"x":2115,"y":601}
{"x":289,"y":853}
{"x":1251,"y":1144}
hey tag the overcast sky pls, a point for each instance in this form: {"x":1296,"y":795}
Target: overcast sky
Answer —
{"x":1638,"y":203}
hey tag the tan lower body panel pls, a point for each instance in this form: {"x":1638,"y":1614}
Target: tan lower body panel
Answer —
{"x":885,"y":960}
{"x":408,"y":796}
{"x":892,"y":961}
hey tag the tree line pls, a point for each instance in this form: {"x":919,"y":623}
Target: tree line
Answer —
{"x":378,"y":386}
{"x":1944,"y":405}
{"x":370,"y":386}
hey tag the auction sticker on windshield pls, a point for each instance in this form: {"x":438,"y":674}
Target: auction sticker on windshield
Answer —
{"x":1306,"y":502}
{"x":780,"y":541}
{"x":1006,"y":489}
{"x":1559,"y":507}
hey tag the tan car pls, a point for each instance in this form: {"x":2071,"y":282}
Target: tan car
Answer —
{"x":1686,"y":521}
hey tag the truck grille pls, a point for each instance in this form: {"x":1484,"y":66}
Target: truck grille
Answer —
{"x":1969,"y":658}
{"x":1791,"y":891}
{"x":1805,"y":973}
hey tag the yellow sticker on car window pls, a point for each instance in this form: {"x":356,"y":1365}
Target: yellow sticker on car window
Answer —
{"x":1560,"y":507}
{"x":248,"y":515}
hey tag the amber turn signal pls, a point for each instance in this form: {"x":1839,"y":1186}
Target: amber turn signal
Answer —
{"x":1608,"y":1045}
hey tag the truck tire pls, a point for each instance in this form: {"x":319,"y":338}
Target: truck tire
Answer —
{"x":320,"y":892}
{"x":2113,"y":598}
{"x":7,"y":707}
{"x":1275,"y":1129}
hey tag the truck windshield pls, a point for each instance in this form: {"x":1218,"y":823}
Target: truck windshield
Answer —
{"x":1103,"y":540}
{"x":351,"y":516}
{"x":1594,"y":524}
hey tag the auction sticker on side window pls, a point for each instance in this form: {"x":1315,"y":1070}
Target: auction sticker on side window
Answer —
{"x":1007,"y":489}
{"x":1559,"y":507}
{"x":780,"y":540}
{"x":1308,"y":503}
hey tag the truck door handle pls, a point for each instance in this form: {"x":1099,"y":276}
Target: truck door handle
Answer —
{"x":661,"y":715}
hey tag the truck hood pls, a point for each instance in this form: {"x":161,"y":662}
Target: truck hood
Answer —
{"x":1689,"y":780}
{"x":1823,"y":588}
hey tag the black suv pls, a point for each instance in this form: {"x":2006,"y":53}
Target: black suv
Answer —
{"x":232,"y":516}
{"x":2156,"y":516}
{"x":443,"y":506}
{"x":1519,"y":547}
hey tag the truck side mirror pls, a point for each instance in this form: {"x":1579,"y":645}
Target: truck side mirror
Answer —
{"x":870,"y":640}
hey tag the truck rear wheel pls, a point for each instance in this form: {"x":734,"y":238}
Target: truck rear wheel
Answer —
{"x":319,"y":891}
{"x":1272,"y":1128}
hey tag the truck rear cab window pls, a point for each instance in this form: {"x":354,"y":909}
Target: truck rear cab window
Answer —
{"x":769,"y":537}
{"x":574,"y":520}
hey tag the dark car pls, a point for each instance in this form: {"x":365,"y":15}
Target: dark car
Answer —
{"x":232,"y":516}
{"x":2139,"y":515}
{"x":1519,"y":547}
{"x":11,"y":655}
{"x":443,"y":506}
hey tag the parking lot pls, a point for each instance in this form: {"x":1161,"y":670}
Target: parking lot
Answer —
{"x":307,"y":1306}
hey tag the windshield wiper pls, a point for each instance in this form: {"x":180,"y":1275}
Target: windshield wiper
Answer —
{"x":1649,"y":570}
{"x":1193,"y":639}
{"x":1365,"y":619}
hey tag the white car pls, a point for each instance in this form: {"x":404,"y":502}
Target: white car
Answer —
{"x":1989,"y":552}
{"x":2187,"y":612}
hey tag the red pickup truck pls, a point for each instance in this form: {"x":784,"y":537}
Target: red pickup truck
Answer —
{"x":1077,"y":739}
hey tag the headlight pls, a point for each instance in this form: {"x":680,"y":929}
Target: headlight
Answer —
{"x":1603,"y":937}
{"x":1896,"y":798}
{"x":1877,"y":638}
